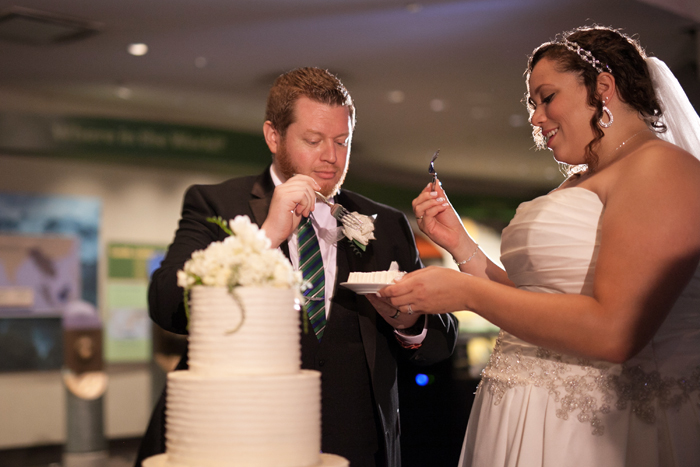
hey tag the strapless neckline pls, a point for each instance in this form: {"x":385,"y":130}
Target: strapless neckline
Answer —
{"x":574,"y":191}
{"x":551,"y":245}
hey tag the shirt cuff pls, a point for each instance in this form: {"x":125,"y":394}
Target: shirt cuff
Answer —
{"x":412,"y":341}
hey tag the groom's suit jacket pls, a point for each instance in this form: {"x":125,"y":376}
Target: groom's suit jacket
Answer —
{"x":357,"y":355}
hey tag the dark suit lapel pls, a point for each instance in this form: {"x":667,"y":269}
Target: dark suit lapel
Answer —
{"x":260,"y":208}
{"x":262,"y":191}
{"x":261,"y":196}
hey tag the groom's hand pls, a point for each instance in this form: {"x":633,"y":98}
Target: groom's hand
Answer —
{"x":291,"y":201}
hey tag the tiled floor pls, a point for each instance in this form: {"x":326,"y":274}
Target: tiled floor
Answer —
{"x":122,"y":453}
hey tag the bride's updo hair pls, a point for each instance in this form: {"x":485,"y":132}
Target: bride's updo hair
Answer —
{"x":623,"y":55}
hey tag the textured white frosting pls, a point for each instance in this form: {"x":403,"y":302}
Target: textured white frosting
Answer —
{"x":244,"y":401}
{"x":266,"y":343}
{"x":374,"y":277}
{"x":262,"y":421}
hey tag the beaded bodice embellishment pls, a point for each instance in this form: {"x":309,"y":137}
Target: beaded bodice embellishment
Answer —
{"x":585,"y":389}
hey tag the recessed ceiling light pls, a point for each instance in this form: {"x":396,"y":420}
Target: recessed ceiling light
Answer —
{"x":414,"y":7}
{"x":200,"y":62}
{"x":437,"y":105}
{"x":138,"y":49}
{"x":123,"y":92}
{"x":396,"y":97}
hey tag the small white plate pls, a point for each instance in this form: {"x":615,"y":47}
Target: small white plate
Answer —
{"x":363,"y":289}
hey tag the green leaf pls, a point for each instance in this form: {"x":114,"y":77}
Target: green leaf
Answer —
{"x":186,"y":301}
{"x":239,"y":301}
{"x":221,"y":223}
{"x":360,"y":245}
{"x":304,"y":319}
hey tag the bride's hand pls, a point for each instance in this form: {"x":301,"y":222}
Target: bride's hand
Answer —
{"x":433,"y":290}
{"x":437,"y":218}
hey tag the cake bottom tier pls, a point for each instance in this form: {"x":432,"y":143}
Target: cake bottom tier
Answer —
{"x":326,"y":460}
{"x":243,"y":420}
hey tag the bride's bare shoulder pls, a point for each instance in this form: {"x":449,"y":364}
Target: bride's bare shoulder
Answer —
{"x":660,"y":170}
{"x":664,"y":162}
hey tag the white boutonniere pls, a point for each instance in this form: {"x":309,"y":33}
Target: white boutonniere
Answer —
{"x":360,"y":237}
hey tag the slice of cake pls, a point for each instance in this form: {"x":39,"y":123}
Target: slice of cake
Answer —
{"x":376,"y":277}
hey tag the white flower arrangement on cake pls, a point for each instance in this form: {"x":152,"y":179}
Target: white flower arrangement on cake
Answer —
{"x":244,"y":259}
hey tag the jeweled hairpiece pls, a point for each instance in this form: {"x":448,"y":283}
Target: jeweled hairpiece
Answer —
{"x":586,"y":56}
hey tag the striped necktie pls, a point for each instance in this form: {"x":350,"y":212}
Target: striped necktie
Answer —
{"x":311,"y":266}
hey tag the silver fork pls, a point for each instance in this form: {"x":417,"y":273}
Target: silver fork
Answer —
{"x":431,"y":168}
{"x":343,"y":215}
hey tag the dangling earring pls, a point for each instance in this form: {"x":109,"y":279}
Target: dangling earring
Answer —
{"x":610,"y":117}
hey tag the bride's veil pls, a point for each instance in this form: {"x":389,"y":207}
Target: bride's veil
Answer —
{"x":679,"y":116}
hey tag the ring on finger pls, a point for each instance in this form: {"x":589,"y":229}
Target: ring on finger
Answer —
{"x":410,"y":311}
{"x":419,"y":218}
{"x":396,"y":316}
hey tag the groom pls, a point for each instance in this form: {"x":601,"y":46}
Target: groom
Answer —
{"x":310,"y":119}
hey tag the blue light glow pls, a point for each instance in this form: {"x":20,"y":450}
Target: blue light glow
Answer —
{"x":421,"y":379}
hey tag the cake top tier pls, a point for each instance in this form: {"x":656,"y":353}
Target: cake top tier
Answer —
{"x":251,"y":330}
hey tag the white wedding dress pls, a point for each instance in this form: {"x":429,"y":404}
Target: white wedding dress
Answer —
{"x":535,"y":407}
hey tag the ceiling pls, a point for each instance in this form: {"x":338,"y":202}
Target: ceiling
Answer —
{"x":427,"y":75}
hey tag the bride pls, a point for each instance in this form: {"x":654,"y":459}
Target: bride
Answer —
{"x":598,"y":359}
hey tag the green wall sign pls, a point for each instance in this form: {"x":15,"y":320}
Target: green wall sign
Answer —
{"x":82,"y":136}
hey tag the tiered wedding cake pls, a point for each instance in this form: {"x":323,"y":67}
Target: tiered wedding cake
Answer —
{"x":244,"y":401}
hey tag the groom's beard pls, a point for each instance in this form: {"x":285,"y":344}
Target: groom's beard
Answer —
{"x":288,"y":168}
